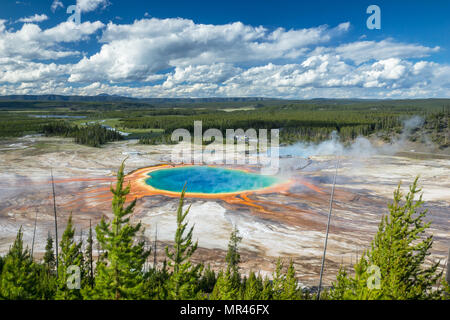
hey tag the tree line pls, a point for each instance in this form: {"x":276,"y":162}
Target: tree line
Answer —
{"x":298,"y":121}
{"x":294,"y":124}
{"x":398,"y":250}
{"x":93,"y":135}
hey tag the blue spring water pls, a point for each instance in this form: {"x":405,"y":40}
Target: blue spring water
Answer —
{"x":210,"y":180}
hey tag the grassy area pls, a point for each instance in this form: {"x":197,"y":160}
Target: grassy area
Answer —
{"x":114,"y":123}
{"x":130,"y":130}
{"x":239,"y":109}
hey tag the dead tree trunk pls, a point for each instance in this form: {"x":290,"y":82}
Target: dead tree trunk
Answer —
{"x":56,"y":222}
{"x":91,"y":259}
{"x":154,"y":247}
{"x":34,"y":235}
{"x":447,"y":273}
{"x":328,"y":230}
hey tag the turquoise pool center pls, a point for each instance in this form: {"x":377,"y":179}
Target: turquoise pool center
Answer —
{"x":208,"y":180}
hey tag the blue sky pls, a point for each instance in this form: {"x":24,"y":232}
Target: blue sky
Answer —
{"x":285,"y":49}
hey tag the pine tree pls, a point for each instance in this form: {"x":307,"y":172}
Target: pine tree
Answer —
{"x":2,"y":262}
{"x":84,"y":270}
{"x":253,"y":287}
{"x":18,"y":280}
{"x":278,"y":281}
{"x":46,"y":272}
{"x":290,"y":285}
{"x":398,"y":253}
{"x":156,"y":283}
{"x":233,"y":258}
{"x":183,"y":282}
{"x":267,"y":291}
{"x":119,"y":271}
{"x":70,"y":255}
{"x":49,"y":256}
{"x":207,"y":280}
{"x":224,"y":288}
{"x":284,"y":285}
{"x":47,"y":282}
{"x":89,"y":261}
{"x":242,"y":287}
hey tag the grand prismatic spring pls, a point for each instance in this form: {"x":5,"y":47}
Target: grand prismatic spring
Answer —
{"x":208,"y":180}
{"x":232,"y":185}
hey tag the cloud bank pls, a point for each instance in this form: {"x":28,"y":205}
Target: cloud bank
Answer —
{"x":181,"y":58}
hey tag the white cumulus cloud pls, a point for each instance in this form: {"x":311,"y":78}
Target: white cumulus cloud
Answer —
{"x":363,"y":51}
{"x":133,"y":51}
{"x":32,"y":43}
{"x":91,"y":5}
{"x":35,"y":18}
{"x":181,"y":58}
{"x":56,"y":4}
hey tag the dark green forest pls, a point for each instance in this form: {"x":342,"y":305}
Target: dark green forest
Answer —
{"x":93,"y":135}
{"x":153,"y":122}
{"x":120,"y":271}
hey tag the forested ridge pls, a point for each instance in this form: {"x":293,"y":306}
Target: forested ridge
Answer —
{"x":297,"y":120}
{"x":120,"y":271}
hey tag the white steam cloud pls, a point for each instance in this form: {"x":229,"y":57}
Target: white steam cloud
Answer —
{"x":360,"y":148}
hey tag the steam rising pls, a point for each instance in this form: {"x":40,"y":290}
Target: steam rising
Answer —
{"x":360,"y":148}
{"x":412,"y":123}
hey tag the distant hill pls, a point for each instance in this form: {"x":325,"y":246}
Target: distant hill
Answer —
{"x":114,"y":98}
{"x":53,"y":97}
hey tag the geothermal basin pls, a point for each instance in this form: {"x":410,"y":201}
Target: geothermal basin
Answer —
{"x":284,"y":218}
